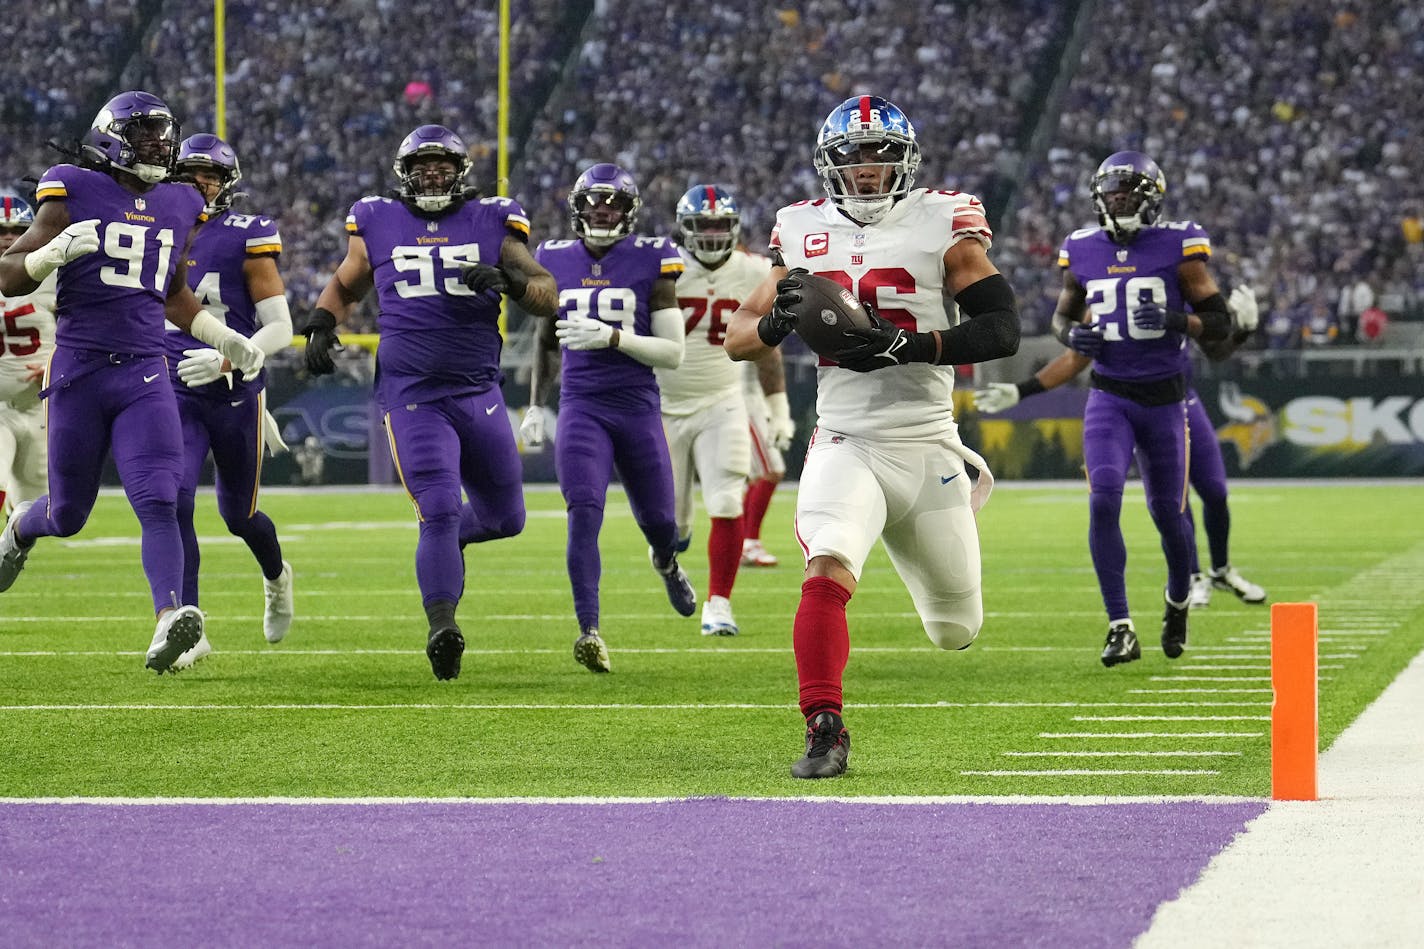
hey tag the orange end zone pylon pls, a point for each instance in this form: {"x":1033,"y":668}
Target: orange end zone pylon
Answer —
{"x":1295,"y":719}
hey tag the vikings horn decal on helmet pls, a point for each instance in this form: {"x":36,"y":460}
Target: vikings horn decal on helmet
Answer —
{"x":709,"y":223}
{"x":430,"y":188}
{"x":15,"y":212}
{"x":867,"y":156}
{"x":604,"y":205}
{"x":134,"y":132}
{"x":206,"y":152}
{"x":1127,"y":190}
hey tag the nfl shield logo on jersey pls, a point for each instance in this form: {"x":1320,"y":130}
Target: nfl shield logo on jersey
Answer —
{"x":140,"y":204}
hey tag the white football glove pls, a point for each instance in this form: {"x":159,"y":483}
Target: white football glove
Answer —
{"x":201,"y":367}
{"x":245,"y":355}
{"x":531,"y":429}
{"x":583,"y":333}
{"x":76,"y":240}
{"x":1243,"y":304}
{"x":783,"y":429}
{"x":996,"y":396}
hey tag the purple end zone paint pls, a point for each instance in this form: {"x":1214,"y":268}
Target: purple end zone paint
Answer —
{"x":710,"y":872}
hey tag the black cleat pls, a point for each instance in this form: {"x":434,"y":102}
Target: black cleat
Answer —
{"x":591,"y":652}
{"x":445,"y":647}
{"x":1122,"y":645}
{"x":679,"y":589}
{"x":1174,"y":630}
{"x":827,"y":748}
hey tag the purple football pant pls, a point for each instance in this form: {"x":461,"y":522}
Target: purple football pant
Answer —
{"x":1208,"y":476}
{"x":439,"y":447}
{"x":1112,"y":427}
{"x":127,"y":408}
{"x":589,"y":444}
{"x":232,"y":429}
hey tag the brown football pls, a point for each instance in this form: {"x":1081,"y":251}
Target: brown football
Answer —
{"x":824,"y":314}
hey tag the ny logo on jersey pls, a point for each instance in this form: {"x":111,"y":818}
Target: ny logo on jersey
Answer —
{"x":857,"y":259}
{"x":817,"y":245}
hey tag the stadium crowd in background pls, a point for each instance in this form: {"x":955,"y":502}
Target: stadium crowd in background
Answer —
{"x":1291,"y":124}
{"x":1293,"y":129}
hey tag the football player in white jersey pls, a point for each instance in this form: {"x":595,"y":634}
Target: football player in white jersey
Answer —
{"x":772,"y":429}
{"x":885,"y":459}
{"x":26,"y":341}
{"x":704,"y":412}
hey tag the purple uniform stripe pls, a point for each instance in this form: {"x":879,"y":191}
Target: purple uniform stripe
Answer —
{"x":703,"y":872}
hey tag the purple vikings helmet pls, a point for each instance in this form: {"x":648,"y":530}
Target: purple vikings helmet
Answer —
{"x":425,"y":191}
{"x":597,"y":193}
{"x":1127,"y":190}
{"x":206,"y":152}
{"x":15,"y":213}
{"x":134,"y":132}
{"x":709,"y":223}
{"x":866,"y":132}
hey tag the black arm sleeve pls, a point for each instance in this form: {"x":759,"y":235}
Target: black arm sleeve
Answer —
{"x":1215,"y":318}
{"x":992,"y":328}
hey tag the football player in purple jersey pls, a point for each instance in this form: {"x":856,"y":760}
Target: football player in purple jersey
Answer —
{"x":619,"y":320}
{"x":115,"y":229}
{"x":1206,"y":469}
{"x":232,"y":267}
{"x":1127,"y":287}
{"x":439,"y":257}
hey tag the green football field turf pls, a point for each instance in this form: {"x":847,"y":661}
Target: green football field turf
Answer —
{"x":347,"y":706}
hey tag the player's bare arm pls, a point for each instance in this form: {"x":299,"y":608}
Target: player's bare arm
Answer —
{"x":546,"y":364}
{"x":50,"y":221}
{"x":541,"y":296}
{"x":742,"y":341}
{"x":1072,"y":306}
{"x":992,"y":329}
{"x":1210,"y":319}
{"x":771,"y":372}
{"x":353,"y":279}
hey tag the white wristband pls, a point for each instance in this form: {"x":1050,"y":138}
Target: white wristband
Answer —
{"x":776,"y":404}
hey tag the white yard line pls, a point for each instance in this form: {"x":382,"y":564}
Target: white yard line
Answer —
{"x":1347,"y":870}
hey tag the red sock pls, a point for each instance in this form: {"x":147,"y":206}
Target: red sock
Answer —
{"x":754,"y":506}
{"x":822,"y":643}
{"x":724,"y":555}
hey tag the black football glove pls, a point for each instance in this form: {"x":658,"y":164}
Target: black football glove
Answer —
{"x":781,"y":321}
{"x":482,"y":277}
{"x":884,"y":344}
{"x":321,"y":340}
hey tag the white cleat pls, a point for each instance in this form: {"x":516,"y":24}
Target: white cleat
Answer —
{"x":1229,"y":578}
{"x":277,"y":616}
{"x":755,"y":555}
{"x":717,"y":617}
{"x":177,"y":631}
{"x":201,"y":650}
{"x":1200,"y":594}
{"x":12,"y":553}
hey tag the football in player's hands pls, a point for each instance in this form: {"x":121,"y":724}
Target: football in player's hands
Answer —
{"x":825,"y":312}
